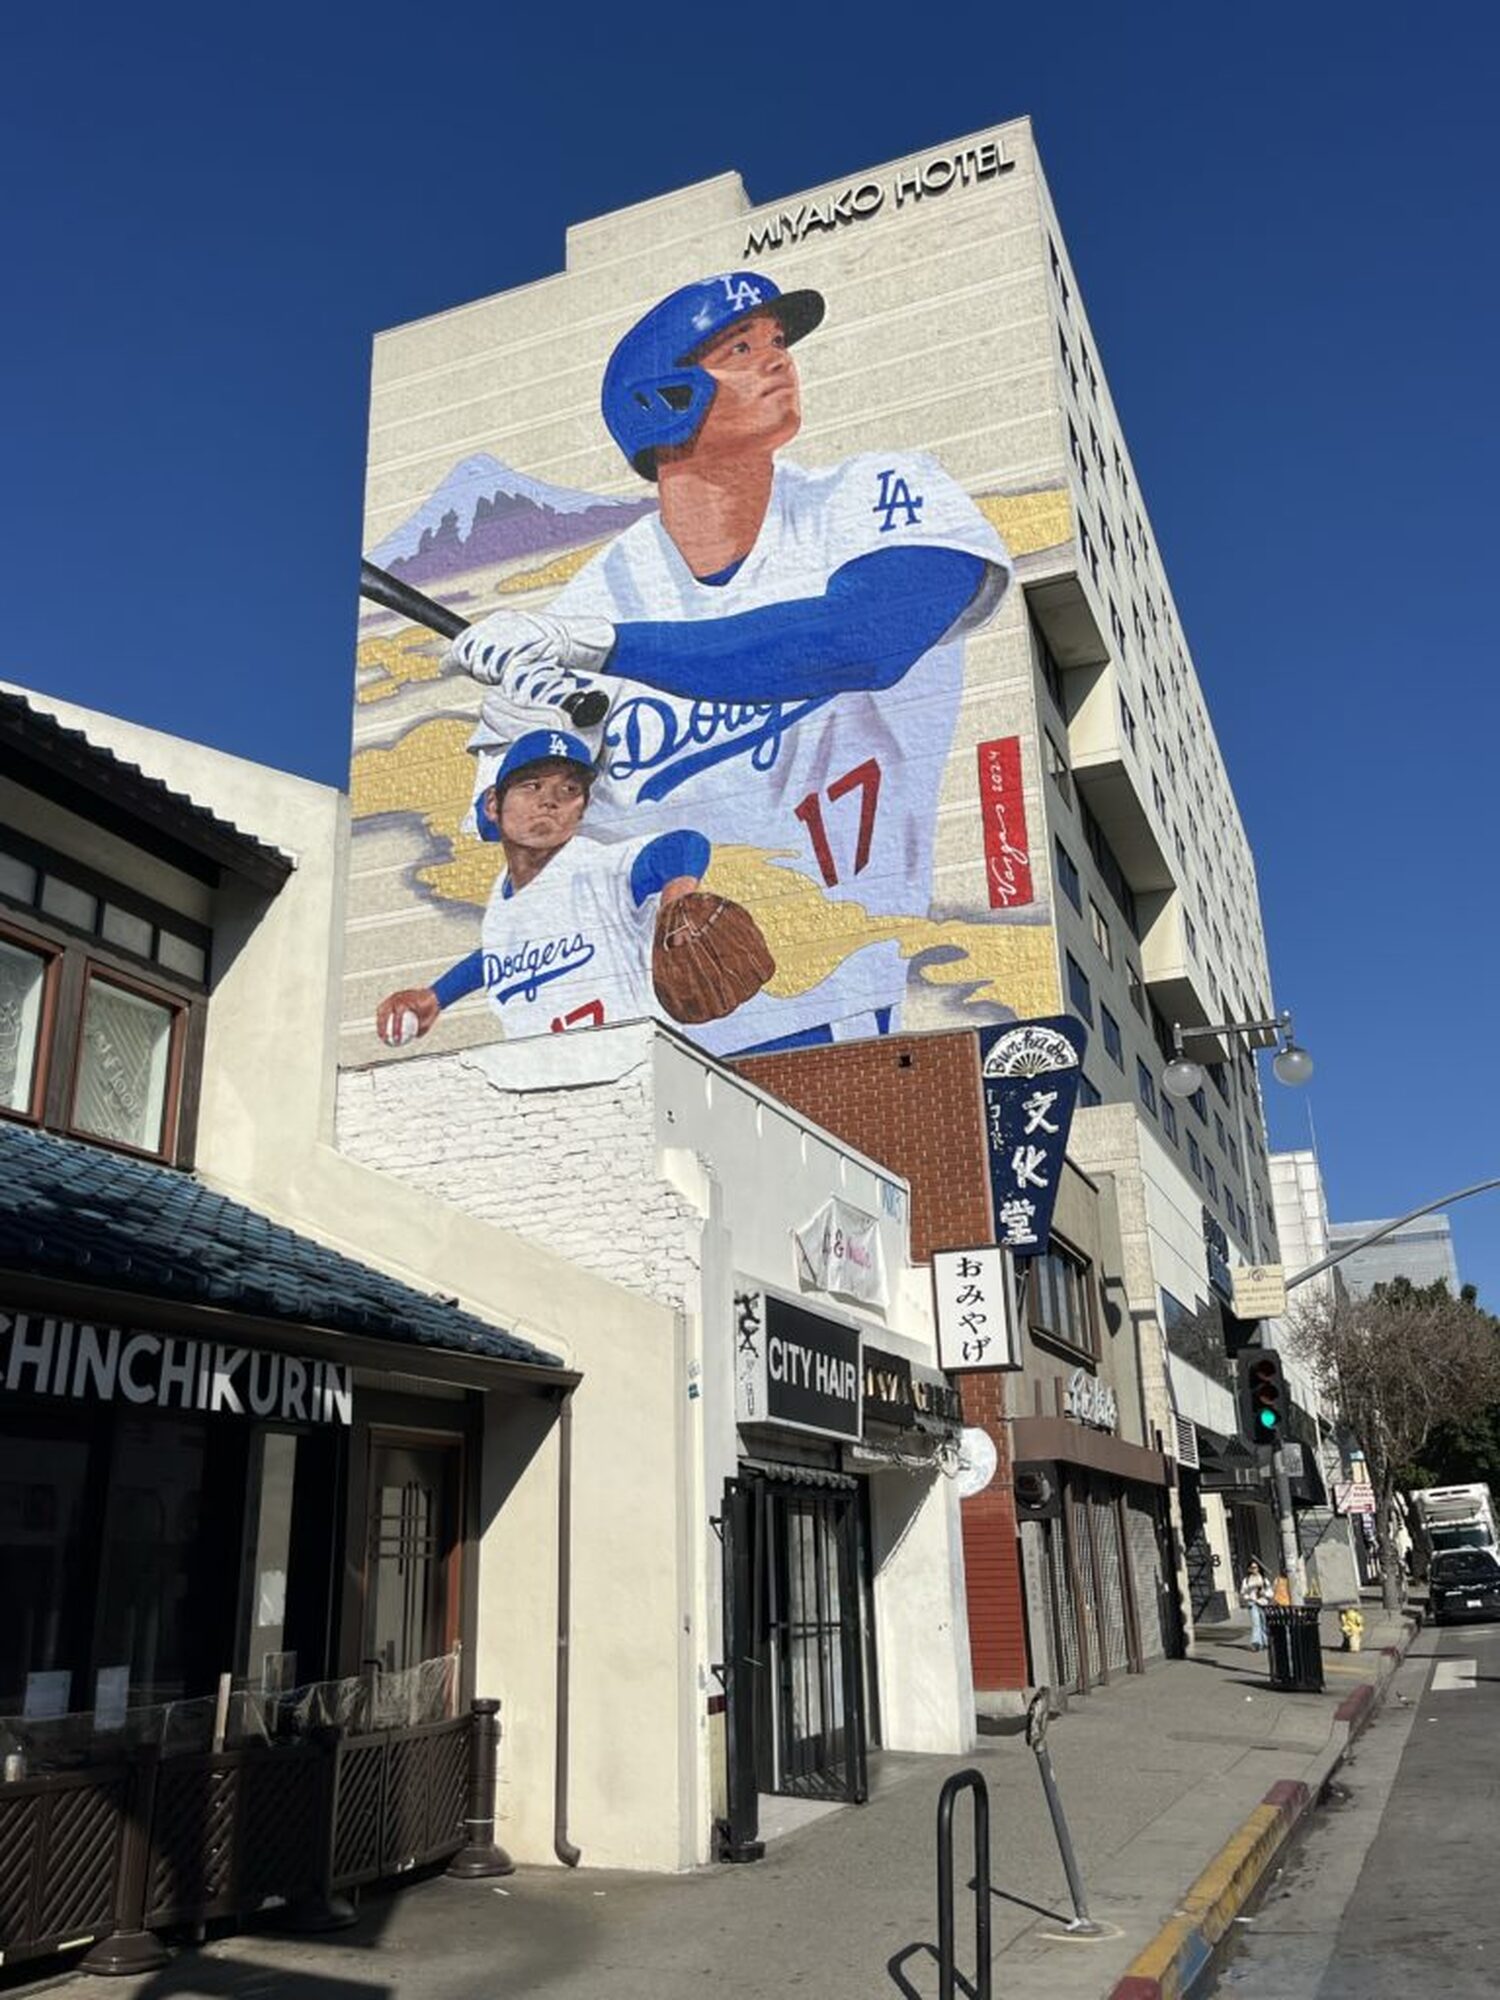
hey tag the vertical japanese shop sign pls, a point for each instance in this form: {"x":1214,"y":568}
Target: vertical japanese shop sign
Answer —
{"x":978,"y":1325}
{"x":1030,"y":1075}
{"x":1002,"y":803}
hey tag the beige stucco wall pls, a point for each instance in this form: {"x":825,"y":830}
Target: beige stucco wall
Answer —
{"x":265,"y":1138}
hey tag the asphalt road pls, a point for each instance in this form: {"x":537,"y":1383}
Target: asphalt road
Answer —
{"x":1392,"y":1891}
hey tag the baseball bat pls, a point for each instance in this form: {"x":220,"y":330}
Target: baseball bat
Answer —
{"x":586,"y":708}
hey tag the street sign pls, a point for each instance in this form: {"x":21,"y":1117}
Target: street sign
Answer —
{"x":1353,"y":1496}
{"x":1291,"y":1458}
{"x":1259,"y":1290}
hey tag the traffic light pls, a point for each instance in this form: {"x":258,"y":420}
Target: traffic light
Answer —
{"x":1263,"y":1396}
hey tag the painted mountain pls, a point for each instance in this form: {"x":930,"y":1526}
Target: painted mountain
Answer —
{"x":483,"y":512}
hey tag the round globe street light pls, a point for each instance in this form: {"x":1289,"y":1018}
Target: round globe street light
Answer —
{"x":1184,"y":1078}
{"x":1292,"y":1065}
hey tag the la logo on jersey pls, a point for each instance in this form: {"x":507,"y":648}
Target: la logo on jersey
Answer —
{"x":896,"y":497}
{"x":740,"y":293}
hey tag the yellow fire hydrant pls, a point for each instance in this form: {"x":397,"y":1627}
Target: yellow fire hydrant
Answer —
{"x":1352,"y":1625}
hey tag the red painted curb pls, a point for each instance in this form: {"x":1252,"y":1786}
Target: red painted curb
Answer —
{"x":1134,"y":1988}
{"x":1290,"y":1796}
{"x":1355,"y":1706}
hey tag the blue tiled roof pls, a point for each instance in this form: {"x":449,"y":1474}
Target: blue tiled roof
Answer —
{"x":74,"y":1211}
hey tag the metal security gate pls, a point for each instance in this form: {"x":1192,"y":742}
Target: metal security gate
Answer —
{"x":1064,"y":1607}
{"x":793,"y":1671}
{"x":1146,"y":1557}
{"x":817,"y":1738}
{"x":1104,"y":1533}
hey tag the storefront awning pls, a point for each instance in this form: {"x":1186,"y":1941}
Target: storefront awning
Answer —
{"x":1226,"y":1463}
{"x":1060,"y":1438}
{"x":80,"y":1216}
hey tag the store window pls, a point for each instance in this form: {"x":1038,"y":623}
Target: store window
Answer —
{"x":126,"y":1065}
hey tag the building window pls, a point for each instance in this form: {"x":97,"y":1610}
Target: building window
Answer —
{"x":1145,"y":1086}
{"x":1086,"y":544}
{"x":1112,"y":1043}
{"x":1099,"y":925}
{"x":1190,"y":934}
{"x":1136,"y":988}
{"x":24,"y":981}
{"x":127,"y":1046}
{"x":1060,"y":1300}
{"x":1079,"y":991}
{"x":1211,"y":1180}
{"x":1067,"y":360}
{"x":1067,"y":875}
{"x":1218,"y":1126}
{"x":1057,"y":766}
{"x":88,"y":1045}
{"x":1169,"y":1117}
{"x":1047,"y":662}
{"x":1109,"y":867}
{"x":1127,"y":721}
{"x":1089,"y":1094}
{"x":1195,"y":1158}
{"x":1200,"y":1104}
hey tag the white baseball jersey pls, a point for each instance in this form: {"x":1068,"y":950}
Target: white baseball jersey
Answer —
{"x":571,"y":949}
{"x":842,"y":787}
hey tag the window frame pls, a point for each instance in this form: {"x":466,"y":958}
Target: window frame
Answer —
{"x":1080,"y":1269}
{"x":52,"y":960}
{"x":77,"y":958}
{"x":108,"y":975}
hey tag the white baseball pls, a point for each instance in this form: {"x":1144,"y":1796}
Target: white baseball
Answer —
{"x":402,"y":1028}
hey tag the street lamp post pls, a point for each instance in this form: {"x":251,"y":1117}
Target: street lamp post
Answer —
{"x":1184,"y":1078}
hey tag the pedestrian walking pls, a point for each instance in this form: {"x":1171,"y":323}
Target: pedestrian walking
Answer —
{"x":1255,"y":1595}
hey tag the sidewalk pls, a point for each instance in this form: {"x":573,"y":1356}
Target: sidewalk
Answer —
{"x":1157,"y":1772}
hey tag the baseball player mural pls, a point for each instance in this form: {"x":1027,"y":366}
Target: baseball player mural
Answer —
{"x":580,"y":932}
{"x":781,"y":647}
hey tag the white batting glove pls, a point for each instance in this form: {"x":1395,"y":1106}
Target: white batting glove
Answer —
{"x":522,"y":651}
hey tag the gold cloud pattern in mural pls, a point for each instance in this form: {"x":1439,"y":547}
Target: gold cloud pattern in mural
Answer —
{"x":1007,"y":963}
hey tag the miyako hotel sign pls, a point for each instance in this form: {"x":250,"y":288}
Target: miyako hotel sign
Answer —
{"x":80,"y":1362}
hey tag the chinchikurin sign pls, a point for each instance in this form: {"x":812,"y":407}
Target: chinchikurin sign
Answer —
{"x":42,"y":1356}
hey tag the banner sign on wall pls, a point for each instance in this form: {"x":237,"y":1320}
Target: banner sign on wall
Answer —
{"x":839,"y":1251}
{"x":794,"y":1368}
{"x":1030,"y":1075}
{"x":978,"y":1325}
{"x":1007,"y":854}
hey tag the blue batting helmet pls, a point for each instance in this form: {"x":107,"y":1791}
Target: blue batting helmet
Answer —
{"x":654,"y":393}
{"x":537,"y":746}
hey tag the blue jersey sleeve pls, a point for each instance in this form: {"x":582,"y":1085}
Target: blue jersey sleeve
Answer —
{"x":662,"y":861}
{"x":465,"y":977}
{"x":878,"y":616}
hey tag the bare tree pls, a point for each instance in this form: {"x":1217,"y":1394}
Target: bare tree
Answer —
{"x":1397,"y":1364}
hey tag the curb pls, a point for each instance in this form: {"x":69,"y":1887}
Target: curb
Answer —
{"x":1177,"y":1958}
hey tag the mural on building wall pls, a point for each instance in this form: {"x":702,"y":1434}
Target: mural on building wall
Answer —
{"x":736,"y":694}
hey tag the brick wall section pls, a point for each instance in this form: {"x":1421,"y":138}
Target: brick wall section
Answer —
{"x":574,"y":1169}
{"x":913,"y":1103}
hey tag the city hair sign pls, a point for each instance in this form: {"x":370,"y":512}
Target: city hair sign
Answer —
{"x":856,"y":203}
{"x":80,"y":1362}
{"x":795,"y":1368}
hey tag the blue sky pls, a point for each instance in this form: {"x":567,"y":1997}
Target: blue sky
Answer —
{"x":1284,"y":224}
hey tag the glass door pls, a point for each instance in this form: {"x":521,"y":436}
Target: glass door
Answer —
{"x":413,"y":1550}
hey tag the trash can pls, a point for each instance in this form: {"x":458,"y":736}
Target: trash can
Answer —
{"x":1294,"y":1648}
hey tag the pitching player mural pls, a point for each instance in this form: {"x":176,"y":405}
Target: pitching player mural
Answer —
{"x":579,"y":932}
{"x":769,"y":663}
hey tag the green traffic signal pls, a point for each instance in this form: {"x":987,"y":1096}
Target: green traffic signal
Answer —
{"x":1268,"y":1419}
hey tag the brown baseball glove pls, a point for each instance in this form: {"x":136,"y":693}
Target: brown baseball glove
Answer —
{"x":709,"y":957}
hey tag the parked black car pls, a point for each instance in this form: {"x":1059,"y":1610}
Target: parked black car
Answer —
{"x":1463,"y":1583}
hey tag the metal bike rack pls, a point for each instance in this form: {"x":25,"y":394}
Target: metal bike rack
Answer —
{"x":949,"y":1977}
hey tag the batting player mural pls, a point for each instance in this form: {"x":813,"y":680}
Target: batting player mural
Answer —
{"x":767,"y":662}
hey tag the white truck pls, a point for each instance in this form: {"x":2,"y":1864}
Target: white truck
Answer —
{"x":1453,"y":1517}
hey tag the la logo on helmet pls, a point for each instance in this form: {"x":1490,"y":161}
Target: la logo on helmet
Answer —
{"x":740,"y":293}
